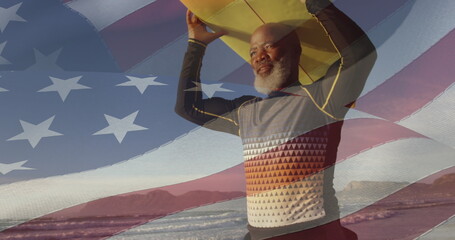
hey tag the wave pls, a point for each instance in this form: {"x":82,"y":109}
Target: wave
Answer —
{"x":195,"y":216}
{"x":362,"y":217}
{"x":185,"y":226}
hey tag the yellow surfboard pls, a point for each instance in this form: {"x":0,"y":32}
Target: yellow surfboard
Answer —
{"x":241,"y":17}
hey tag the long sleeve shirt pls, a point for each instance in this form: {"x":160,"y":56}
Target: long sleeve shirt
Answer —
{"x":290,"y":138}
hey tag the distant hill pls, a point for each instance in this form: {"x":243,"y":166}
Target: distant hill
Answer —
{"x":160,"y":202}
{"x":445,"y":182}
{"x":368,"y":186}
{"x":360,"y":191}
{"x":155,"y":203}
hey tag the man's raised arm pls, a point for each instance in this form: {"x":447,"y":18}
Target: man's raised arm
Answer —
{"x":214,"y":113}
{"x":344,"y":80}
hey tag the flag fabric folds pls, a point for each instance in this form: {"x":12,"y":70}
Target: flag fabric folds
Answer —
{"x":91,"y":146}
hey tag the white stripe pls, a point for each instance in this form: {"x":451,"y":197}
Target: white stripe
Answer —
{"x":426,"y":24}
{"x":102,"y":13}
{"x":218,"y":62}
{"x":353,"y":114}
{"x":443,"y":231}
{"x":405,"y":160}
{"x":436,"y":119}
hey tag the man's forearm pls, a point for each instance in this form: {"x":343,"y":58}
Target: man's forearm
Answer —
{"x":214,"y":113}
{"x":190,"y":75}
{"x":346,"y":35}
{"x":344,"y":81}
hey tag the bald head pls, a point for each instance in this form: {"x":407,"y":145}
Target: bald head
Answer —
{"x":277,"y":32}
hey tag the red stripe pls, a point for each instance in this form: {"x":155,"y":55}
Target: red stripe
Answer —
{"x":414,"y":86}
{"x":365,"y":13}
{"x":140,"y":34}
{"x":152,"y":205}
{"x":413,"y":210}
{"x":362,"y":134}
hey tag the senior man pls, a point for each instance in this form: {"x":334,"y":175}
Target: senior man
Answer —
{"x":290,"y":137}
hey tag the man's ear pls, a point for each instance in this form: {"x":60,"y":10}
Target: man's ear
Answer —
{"x":297,"y":51}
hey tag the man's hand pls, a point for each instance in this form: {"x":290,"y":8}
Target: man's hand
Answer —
{"x":197,"y":29}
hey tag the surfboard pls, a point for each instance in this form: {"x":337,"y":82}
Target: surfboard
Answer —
{"x":241,"y":17}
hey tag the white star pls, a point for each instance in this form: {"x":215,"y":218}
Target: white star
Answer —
{"x":33,"y":133}
{"x":209,"y":89}
{"x":9,"y":14}
{"x":2,"y":89}
{"x":3,"y":60}
{"x":48,"y":63}
{"x":8,"y":167}
{"x":120,"y":127}
{"x":141,"y":83}
{"x":64,"y":86}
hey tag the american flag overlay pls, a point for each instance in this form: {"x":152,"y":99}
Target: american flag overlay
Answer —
{"x":91,"y":146}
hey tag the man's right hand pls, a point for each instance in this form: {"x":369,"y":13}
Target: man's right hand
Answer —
{"x":197,"y":29}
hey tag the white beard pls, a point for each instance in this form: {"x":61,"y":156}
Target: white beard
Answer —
{"x":275,"y":80}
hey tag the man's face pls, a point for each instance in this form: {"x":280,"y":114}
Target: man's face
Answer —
{"x":265,"y":49}
{"x":270,"y":59}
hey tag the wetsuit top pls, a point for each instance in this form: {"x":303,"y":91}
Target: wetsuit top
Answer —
{"x":291,"y":137}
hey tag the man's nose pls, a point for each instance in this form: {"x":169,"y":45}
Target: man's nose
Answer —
{"x":261,"y":56}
